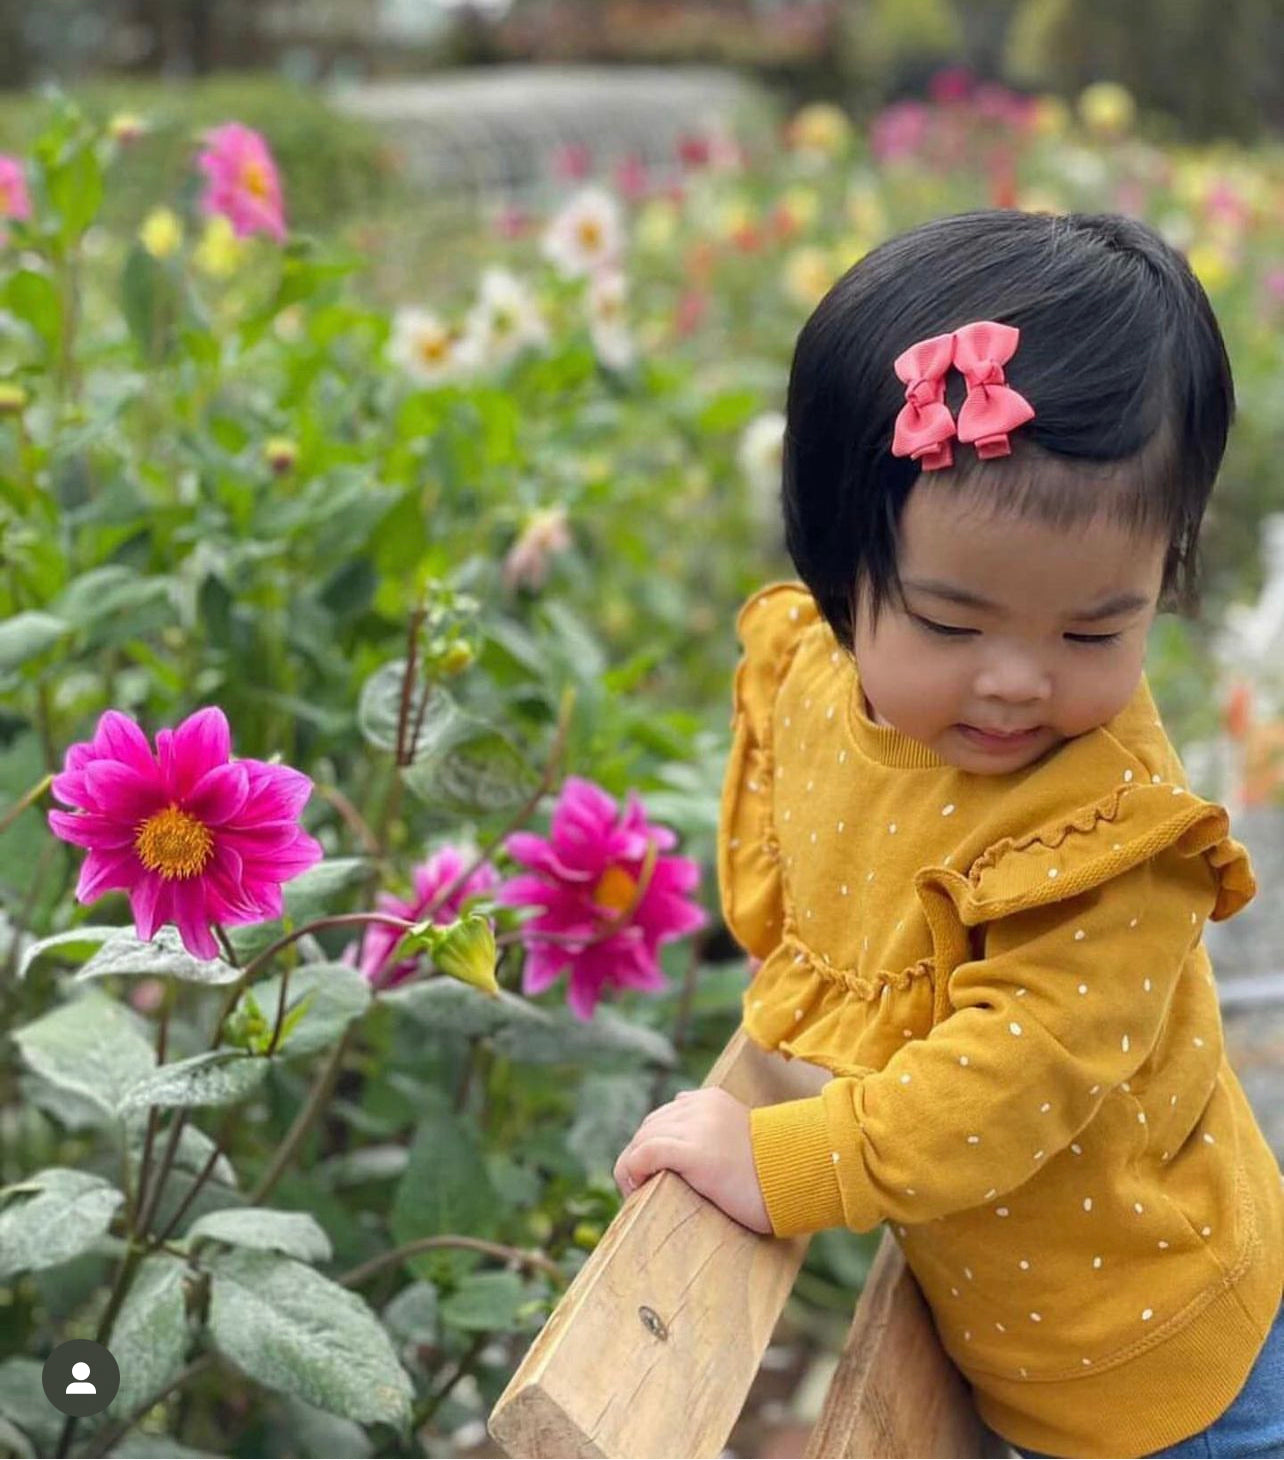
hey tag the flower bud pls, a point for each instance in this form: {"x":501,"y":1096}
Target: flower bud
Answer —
{"x":13,"y":399}
{"x":125,"y":128}
{"x":281,"y":454}
{"x":162,"y":233}
{"x":457,"y":658}
{"x":465,"y":949}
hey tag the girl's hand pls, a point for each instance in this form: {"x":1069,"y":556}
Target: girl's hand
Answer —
{"x":703,"y":1135}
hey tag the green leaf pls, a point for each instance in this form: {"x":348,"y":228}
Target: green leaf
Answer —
{"x":125,"y":953}
{"x":149,"y":1338}
{"x":610,"y":1109}
{"x":149,"y":301}
{"x":479,"y":771}
{"x":112,"y":591}
{"x":218,"y":1077}
{"x":486,"y":1302}
{"x":445,"y":1187}
{"x":22,"y":1400}
{"x":413,"y":1314}
{"x":27,"y":635}
{"x":293,"y":1330}
{"x":52,"y":1216}
{"x":34,"y":300}
{"x":74,"y":946}
{"x":379,"y":710}
{"x":449,"y":1007}
{"x":312,"y":894}
{"x":336,"y":994}
{"x":194,"y":1148}
{"x":297,"y":1234}
{"x":568,"y":1040}
{"x":92,"y":1046}
{"x":76,"y":190}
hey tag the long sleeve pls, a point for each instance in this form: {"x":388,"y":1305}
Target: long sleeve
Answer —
{"x":1066,"y":1004}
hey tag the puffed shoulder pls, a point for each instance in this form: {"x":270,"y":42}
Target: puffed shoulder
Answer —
{"x":769,"y":627}
{"x":1096,"y":842}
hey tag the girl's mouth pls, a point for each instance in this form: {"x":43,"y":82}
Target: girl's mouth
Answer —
{"x":999,"y":742}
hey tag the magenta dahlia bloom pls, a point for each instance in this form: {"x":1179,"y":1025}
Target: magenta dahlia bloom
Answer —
{"x":243,"y":182}
{"x":192,"y":835}
{"x":15,"y":200}
{"x":429,"y":878}
{"x":584,"y":874}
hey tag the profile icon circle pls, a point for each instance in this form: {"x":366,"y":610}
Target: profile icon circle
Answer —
{"x":80,"y":1377}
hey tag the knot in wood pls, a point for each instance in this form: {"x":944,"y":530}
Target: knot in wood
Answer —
{"x":652,"y":1321}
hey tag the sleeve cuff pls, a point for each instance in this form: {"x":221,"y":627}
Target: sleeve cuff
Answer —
{"x":793,"y":1156}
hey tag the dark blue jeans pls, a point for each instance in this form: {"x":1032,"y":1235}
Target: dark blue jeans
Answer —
{"x":1253,"y":1427}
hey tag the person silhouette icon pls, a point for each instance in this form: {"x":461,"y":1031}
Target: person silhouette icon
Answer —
{"x":80,"y":1372}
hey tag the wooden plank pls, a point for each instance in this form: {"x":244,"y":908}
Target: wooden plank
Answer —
{"x":654,"y":1345}
{"x":895,"y":1391}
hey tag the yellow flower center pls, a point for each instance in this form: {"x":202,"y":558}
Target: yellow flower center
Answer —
{"x":6,"y":203}
{"x":590,"y":234}
{"x":503,"y":322}
{"x":433,"y":349}
{"x":615,"y":889}
{"x":174,"y":844}
{"x":254,"y":179}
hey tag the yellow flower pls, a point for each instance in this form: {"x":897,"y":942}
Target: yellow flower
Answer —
{"x":1107,"y":108}
{"x":280,"y":453}
{"x":1211,"y":265}
{"x":219,"y":253}
{"x":13,"y":399}
{"x":1037,"y":201}
{"x":657,"y":225}
{"x":808,"y":273}
{"x":803,"y":204}
{"x":1051,"y":116}
{"x":162,"y":233}
{"x":125,"y":128}
{"x":820,"y":127}
{"x":734,"y":215}
{"x":866,"y":213}
{"x":848,"y":251}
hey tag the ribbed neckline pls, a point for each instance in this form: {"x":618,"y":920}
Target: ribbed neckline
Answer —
{"x":883,"y":743}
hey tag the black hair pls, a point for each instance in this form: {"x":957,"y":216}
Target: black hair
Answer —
{"x":1120,"y":355}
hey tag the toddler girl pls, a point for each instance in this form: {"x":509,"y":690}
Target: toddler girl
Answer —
{"x":955,"y":833}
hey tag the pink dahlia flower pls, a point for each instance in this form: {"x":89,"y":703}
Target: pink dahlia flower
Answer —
{"x":429,"y":878}
{"x":243,"y":183}
{"x":582,"y":876}
{"x":15,"y":200}
{"x":193,"y":836}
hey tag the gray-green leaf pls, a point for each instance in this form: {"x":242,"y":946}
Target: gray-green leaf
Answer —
{"x":52,"y":1216}
{"x":297,"y":1234}
{"x":74,"y":946}
{"x":149,"y":1339}
{"x":449,"y":1007}
{"x":486,"y":1302}
{"x":27,"y":635}
{"x":338,"y":995}
{"x":218,"y":1077}
{"x":91,"y":1045}
{"x":293,"y":1330}
{"x":124,"y":952}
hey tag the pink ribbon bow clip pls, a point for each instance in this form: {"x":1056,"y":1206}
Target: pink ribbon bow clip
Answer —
{"x":992,"y":408}
{"x":924,"y":425}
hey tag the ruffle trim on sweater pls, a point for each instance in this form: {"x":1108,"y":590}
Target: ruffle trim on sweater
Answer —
{"x":1095,"y":843}
{"x":770,"y":626}
{"x":808,"y":1008}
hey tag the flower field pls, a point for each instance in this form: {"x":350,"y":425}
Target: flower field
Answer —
{"x":366,"y":648}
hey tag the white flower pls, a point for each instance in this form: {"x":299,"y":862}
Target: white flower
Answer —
{"x":426,"y":349}
{"x":613,"y":345}
{"x":505,"y":319}
{"x":586,"y":235}
{"x":527,"y":561}
{"x":761,"y":450}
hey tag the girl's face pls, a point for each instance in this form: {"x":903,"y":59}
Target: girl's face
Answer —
{"x":1035,"y":659}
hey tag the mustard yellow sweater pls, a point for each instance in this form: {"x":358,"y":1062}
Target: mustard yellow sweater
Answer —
{"x":1006,"y":976}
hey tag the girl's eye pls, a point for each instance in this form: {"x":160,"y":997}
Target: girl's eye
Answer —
{"x":1074,"y":638}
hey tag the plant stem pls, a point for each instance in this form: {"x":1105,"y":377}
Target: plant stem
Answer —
{"x":153,"y":1120}
{"x":537,"y":1260}
{"x":303,"y":1121}
{"x":434,"y":1401}
{"x":102,"y":1444}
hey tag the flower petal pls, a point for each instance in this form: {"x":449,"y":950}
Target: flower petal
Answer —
{"x":219,"y":795}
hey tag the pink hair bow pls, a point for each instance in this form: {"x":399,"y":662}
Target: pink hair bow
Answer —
{"x":924,"y":425}
{"x":992,"y":407}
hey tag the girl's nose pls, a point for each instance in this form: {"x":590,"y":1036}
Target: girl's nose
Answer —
{"x":1014,"y":678}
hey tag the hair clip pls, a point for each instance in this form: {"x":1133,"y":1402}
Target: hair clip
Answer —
{"x":992,"y":408}
{"x":924,"y":425}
